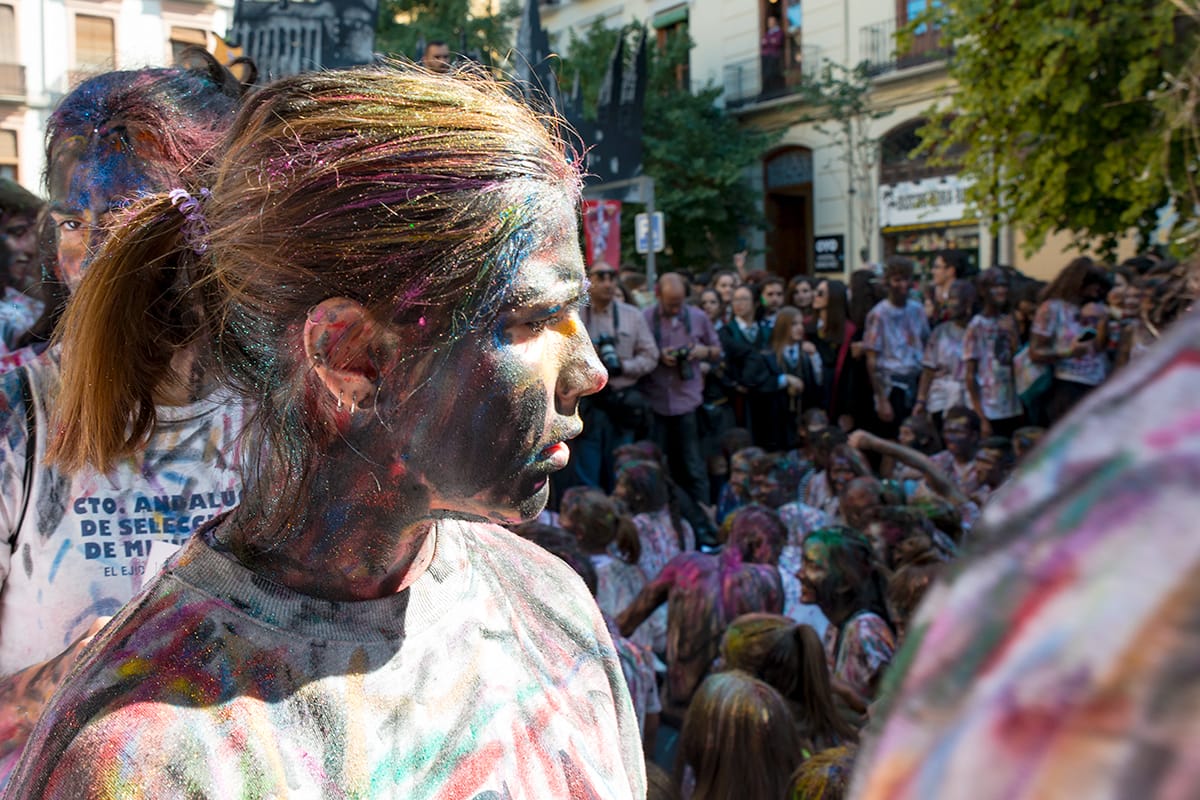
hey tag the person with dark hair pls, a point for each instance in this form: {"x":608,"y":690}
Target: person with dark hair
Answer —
{"x":675,"y":388}
{"x":386,"y":267}
{"x":819,"y":492}
{"x":770,"y":298}
{"x":994,"y":461}
{"x":779,"y":377}
{"x":835,"y":337}
{"x":943,"y":373}
{"x":742,"y":342}
{"x":989,"y":346}
{"x":948,"y":266}
{"x":961,"y":431}
{"x":897,"y":330}
{"x":841,"y":576}
{"x":20,"y":217}
{"x":736,"y":492}
{"x":80,"y":541}
{"x":791,"y":658}
{"x":618,"y":413}
{"x":1069,"y":340}
{"x":725,"y":281}
{"x":920,"y":434}
{"x":738,"y":740}
{"x":436,"y":56}
{"x":704,"y":592}
{"x":1027,"y":299}
{"x":663,"y":534}
{"x":800,"y":290}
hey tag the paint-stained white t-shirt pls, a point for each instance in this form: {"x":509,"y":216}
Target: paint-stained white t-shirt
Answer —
{"x":74,"y":548}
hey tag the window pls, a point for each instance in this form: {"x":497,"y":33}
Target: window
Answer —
{"x":95,"y":43}
{"x":183,"y":38}
{"x":926,"y":39}
{"x":8,"y":35}
{"x":8,"y":155}
{"x":671,"y":27}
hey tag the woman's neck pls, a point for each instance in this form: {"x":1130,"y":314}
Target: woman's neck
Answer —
{"x":353,"y":540}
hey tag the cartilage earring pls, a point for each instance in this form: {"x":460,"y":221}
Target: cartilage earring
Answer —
{"x":339,"y":401}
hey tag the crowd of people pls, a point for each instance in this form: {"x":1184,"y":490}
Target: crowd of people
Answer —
{"x":295,"y":495}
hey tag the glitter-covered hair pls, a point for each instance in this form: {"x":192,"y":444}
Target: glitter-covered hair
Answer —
{"x":173,"y":117}
{"x":413,"y":194}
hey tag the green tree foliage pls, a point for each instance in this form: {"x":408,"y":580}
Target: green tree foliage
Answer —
{"x":450,"y":21}
{"x":1060,"y":114}
{"x":695,"y":151}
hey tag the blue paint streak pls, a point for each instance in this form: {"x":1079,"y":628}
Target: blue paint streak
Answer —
{"x":58,"y":557}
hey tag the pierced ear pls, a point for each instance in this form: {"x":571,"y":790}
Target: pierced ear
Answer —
{"x":337,"y":337}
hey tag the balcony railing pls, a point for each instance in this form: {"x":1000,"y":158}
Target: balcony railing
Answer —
{"x":877,"y":43}
{"x":744,"y":78}
{"x":12,"y":80}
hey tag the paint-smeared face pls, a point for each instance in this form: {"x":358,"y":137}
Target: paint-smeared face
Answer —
{"x":18,"y":232}
{"x":989,"y":465}
{"x":766,"y":490}
{"x":907,"y":436}
{"x":841,"y":472}
{"x":739,"y":475}
{"x":959,"y":438}
{"x":814,"y":570}
{"x":897,"y":288}
{"x":998,"y":293}
{"x":494,"y":417}
{"x":802,"y":295}
{"x":91,"y":177}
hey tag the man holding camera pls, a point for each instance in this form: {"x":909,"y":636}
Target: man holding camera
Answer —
{"x":619,"y":412}
{"x":686,"y":340}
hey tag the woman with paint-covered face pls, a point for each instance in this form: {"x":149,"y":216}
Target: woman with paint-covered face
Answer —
{"x":386,"y":262}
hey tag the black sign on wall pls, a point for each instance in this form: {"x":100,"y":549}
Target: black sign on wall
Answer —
{"x":829,"y":253}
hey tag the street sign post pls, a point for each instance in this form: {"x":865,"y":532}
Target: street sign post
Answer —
{"x":648,"y":232}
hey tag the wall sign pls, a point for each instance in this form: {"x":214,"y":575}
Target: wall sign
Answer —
{"x":930,"y":200}
{"x":829,"y":253}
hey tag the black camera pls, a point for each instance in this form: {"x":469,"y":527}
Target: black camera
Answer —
{"x":606,"y":348}
{"x":686,"y":370}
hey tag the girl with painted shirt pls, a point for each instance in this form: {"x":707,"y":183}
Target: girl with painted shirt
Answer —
{"x":386,"y":263}
{"x":943,"y":369}
{"x":79,"y":543}
{"x":642,"y":487}
{"x":839,"y":575}
{"x":610,"y":540}
{"x":1069,"y":340}
{"x":991,"y":343}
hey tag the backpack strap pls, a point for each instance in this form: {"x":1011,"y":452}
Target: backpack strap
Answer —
{"x":30,"y":445}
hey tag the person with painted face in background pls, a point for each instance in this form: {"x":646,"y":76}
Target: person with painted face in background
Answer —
{"x":840,"y":575}
{"x":80,"y":540}
{"x":990,"y":343}
{"x":20,"y":219}
{"x":359,"y":624}
{"x":897,"y":330}
{"x":619,"y":413}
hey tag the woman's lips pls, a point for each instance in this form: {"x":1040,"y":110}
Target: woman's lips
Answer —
{"x":557,"y":454}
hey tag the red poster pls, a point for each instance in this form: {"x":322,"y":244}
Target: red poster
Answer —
{"x":602,"y":232}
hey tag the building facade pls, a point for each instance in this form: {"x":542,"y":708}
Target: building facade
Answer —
{"x":46,"y":46}
{"x":833,"y":202}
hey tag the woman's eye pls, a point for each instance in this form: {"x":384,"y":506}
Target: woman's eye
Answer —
{"x":70,"y":225}
{"x":539,"y":325}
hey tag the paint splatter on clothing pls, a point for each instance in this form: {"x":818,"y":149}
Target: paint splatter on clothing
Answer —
{"x":819,"y":494}
{"x":637,"y":665}
{"x":860,"y":650}
{"x":660,"y":540}
{"x":617,"y":585}
{"x":800,"y":519}
{"x":493,"y":675}
{"x":1058,"y":321}
{"x":898,"y":335}
{"x":18,"y":312}
{"x":704,"y":593}
{"x":944,"y":355}
{"x":1060,"y":661}
{"x":78,"y":547}
{"x":991,"y":342}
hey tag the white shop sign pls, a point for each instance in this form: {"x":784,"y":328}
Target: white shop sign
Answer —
{"x":925,"y":201}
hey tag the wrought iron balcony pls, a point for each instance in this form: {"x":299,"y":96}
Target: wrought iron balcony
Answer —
{"x":877,"y":44}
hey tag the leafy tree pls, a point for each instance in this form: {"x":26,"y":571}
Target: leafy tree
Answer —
{"x":487,"y":38}
{"x":1060,"y":114}
{"x":695,"y":151}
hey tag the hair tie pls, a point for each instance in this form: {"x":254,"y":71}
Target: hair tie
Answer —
{"x":195,"y":229}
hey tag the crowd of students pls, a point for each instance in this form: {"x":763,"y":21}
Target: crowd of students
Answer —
{"x":318,"y":411}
